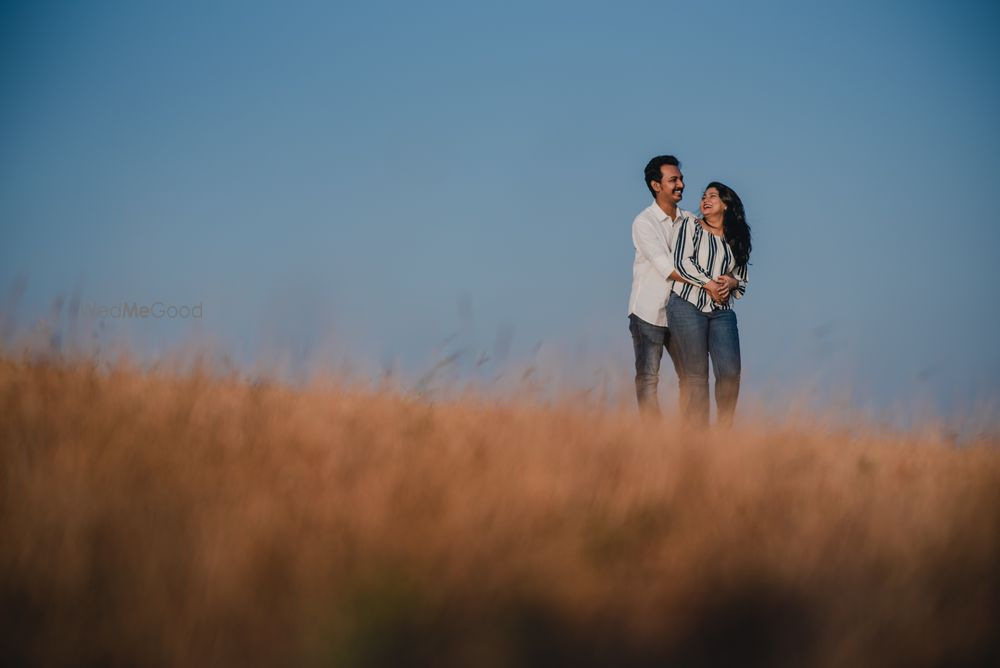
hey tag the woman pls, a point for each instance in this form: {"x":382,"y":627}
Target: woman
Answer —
{"x":711,"y":254}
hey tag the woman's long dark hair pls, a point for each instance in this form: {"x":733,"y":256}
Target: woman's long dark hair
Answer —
{"x":734,"y":223}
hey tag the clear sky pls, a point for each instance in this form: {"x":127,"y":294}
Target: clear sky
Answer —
{"x":385,"y":183}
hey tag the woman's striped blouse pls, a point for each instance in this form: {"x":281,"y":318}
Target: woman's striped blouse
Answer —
{"x":699,"y":257}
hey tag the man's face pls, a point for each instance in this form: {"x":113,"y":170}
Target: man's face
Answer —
{"x":671,"y":184}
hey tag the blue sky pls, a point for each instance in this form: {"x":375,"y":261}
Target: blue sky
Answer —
{"x":382,"y":184}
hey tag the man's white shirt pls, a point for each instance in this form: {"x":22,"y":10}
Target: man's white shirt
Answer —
{"x":653,"y":233}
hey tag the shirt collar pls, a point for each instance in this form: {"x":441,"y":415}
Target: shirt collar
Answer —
{"x":662,"y":216}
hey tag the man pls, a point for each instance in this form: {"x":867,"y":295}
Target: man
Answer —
{"x":652,"y":271}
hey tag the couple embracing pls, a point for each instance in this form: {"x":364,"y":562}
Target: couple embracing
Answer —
{"x":688,"y":270}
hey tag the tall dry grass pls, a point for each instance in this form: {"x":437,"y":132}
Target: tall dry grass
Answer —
{"x":182,"y":519}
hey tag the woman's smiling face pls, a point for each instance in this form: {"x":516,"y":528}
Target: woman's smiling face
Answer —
{"x":711,"y":203}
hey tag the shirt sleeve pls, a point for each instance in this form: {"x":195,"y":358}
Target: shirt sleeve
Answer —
{"x":740,"y":274}
{"x":686,"y":255}
{"x":652,"y":246}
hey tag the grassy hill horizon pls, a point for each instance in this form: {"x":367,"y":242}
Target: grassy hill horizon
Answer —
{"x":172,"y":516}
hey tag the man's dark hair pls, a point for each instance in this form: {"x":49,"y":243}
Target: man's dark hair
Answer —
{"x":653,"y":172}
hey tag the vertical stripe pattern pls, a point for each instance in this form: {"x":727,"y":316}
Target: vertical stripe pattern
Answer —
{"x":700,"y":257}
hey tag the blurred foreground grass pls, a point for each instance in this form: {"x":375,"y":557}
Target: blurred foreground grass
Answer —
{"x":181,"y":519}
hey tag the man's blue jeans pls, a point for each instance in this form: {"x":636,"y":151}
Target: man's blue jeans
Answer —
{"x":696,"y":336}
{"x":648,"y":341}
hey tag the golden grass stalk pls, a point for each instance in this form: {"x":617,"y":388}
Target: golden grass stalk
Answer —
{"x":183,"y":519}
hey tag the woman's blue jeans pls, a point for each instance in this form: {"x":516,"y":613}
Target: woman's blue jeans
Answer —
{"x":696,"y":336}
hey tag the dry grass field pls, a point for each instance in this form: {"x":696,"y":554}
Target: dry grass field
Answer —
{"x":157,"y":518}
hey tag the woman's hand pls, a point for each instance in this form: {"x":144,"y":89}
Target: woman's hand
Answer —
{"x":714,"y":289}
{"x":726,"y":285}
